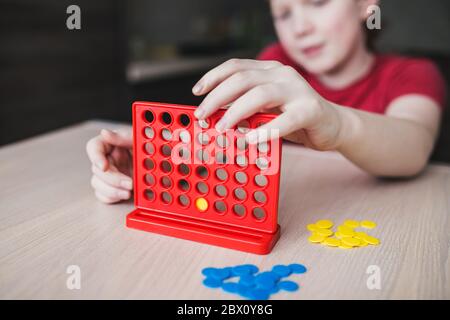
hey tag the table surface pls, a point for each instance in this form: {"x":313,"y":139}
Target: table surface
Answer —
{"x":50,"y":219}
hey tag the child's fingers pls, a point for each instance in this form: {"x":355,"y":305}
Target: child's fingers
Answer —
{"x":215,"y":76}
{"x":261,"y":97}
{"x":231,"y":89}
{"x":96,"y":151}
{"x":108,"y":190}
{"x":114,"y":178}
{"x":106,"y":199}
{"x":119,"y":138}
{"x":284,"y":124}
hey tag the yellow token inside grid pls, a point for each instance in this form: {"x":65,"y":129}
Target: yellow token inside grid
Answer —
{"x":201,"y":204}
{"x":332,"y":242}
{"x":351,"y":223}
{"x":351,"y":242}
{"x":368,"y":224}
{"x":316,"y":238}
{"x":324,"y":232}
{"x":324,"y":224}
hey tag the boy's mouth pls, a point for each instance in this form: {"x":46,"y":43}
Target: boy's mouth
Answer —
{"x":312,"y":51}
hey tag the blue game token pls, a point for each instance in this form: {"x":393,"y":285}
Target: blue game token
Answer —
{"x":269,"y":275}
{"x":247,"y":280}
{"x":283,"y":271}
{"x":245,"y":269}
{"x":244,"y":290}
{"x":208,"y":271}
{"x":231,"y":287}
{"x":265,"y":281}
{"x":259,"y":294}
{"x":212,"y":283}
{"x":221,"y":274}
{"x":288,"y":286}
{"x":297,"y":268}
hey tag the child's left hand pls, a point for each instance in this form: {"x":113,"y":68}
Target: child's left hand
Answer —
{"x":252,"y":86}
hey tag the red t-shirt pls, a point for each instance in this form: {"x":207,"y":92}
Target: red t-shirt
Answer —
{"x":389,"y":78}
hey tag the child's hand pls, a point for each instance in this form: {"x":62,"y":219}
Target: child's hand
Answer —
{"x":112,"y":166}
{"x":253,"y":86}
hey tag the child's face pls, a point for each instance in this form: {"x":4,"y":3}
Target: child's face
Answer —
{"x":320,"y":35}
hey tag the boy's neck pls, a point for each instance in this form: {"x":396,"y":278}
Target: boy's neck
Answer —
{"x":354,"y":68}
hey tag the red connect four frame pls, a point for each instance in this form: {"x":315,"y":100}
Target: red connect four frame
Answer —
{"x":192,"y":183}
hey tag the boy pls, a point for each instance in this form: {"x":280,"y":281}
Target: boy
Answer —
{"x":331,"y":92}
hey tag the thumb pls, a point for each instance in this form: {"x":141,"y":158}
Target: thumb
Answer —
{"x":118,"y":138}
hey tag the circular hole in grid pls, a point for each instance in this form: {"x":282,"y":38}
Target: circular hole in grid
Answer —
{"x":220,"y":206}
{"x":183,"y":184}
{"x":149,"y":179}
{"x":259,"y":213}
{"x":149,"y":164}
{"x":241,"y":177}
{"x":221,"y":157}
{"x":184,"y":119}
{"x":166,"y":118}
{"x":149,"y":195}
{"x":222,"y":141}
{"x":243,"y":126}
{"x":185,"y":136}
{"x":149,"y":148}
{"x":184,"y":153}
{"x":263,"y":147}
{"x":241,"y":143}
{"x":166,"y":182}
{"x":261,"y":180}
{"x":202,"y":187}
{"x":203,"y":155}
{"x":203,"y":138}
{"x":166,"y":166}
{"x":240,"y":193}
{"x":184,"y":200}
{"x":204,"y":124}
{"x":221,"y":174}
{"x":149,"y":132}
{"x":260,"y":197}
{"x":166,"y":134}
{"x":239,"y":210}
{"x":149,"y":116}
{"x":166,"y":150}
{"x":241,"y":160}
{"x":166,"y":197}
{"x":183,"y":169}
{"x":202,"y":172}
{"x":221,"y":191}
{"x":262,"y":163}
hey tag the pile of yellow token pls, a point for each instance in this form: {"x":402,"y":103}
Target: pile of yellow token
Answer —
{"x":345,"y":237}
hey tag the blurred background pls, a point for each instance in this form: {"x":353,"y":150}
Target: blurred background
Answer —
{"x":52,"y":77}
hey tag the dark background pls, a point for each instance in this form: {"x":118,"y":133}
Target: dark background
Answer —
{"x":51,"y":77}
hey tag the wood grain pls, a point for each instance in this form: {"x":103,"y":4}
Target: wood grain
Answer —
{"x":50,"y":219}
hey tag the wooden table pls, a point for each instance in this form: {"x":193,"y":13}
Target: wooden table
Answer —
{"x":50,"y":219}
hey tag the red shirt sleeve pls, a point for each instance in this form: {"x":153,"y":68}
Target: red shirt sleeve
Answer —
{"x":417,"y":76}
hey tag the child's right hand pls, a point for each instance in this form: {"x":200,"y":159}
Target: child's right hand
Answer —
{"x":112,"y":165}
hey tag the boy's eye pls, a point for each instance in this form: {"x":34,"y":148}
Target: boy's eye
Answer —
{"x":283,"y":15}
{"x":318,"y":3}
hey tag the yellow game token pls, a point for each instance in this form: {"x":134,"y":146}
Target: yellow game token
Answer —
{"x":201,"y":204}
{"x":343,"y":246}
{"x":338,"y":235}
{"x":351,"y":223}
{"x":332,"y":242}
{"x":324,"y":232}
{"x":351,"y":242}
{"x":360,"y":235}
{"x":368,"y":224}
{"x":316,"y":238}
{"x":363,"y":243}
{"x":346,"y":231}
{"x":312,"y":227}
{"x":372,"y":240}
{"x":324,"y":224}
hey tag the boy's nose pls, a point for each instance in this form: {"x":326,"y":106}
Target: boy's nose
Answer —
{"x":302,"y":25}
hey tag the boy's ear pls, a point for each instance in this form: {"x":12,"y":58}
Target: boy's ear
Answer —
{"x":364,"y":6}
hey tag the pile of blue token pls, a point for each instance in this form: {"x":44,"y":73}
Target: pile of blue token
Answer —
{"x":246,"y":280}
